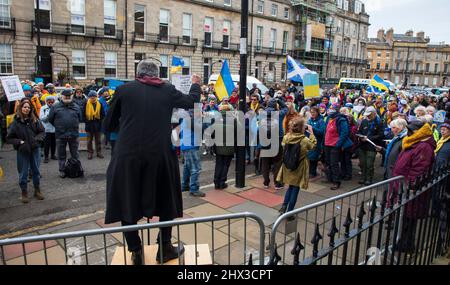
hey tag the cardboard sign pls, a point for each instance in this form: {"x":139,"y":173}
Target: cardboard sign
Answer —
{"x":439,"y":117}
{"x":311,"y":85}
{"x":182,"y":83}
{"x":12,"y":87}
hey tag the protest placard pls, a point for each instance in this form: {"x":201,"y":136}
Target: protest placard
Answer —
{"x":12,"y":87}
{"x":182,"y":82}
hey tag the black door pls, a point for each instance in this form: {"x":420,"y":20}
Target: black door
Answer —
{"x":46,"y":65}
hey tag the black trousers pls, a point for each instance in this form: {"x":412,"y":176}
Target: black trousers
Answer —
{"x":274,"y":163}
{"x":134,"y":242}
{"x":49,"y":144}
{"x":332,"y":157}
{"x":346,"y":164}
{"x":313,"y":167}
{"x":221,"y":170}
{"x":73,"y":148}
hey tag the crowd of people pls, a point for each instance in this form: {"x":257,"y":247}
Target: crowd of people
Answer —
{"x":330,"y":132}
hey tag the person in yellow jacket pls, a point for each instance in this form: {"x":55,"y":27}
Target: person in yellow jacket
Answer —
{"x":49,"y":92}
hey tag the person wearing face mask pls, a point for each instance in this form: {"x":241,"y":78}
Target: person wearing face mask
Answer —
{"x":51,"y":91}
{"x":337,"y":139}
{"x":50,"y":139}
{"x":66,"y":117}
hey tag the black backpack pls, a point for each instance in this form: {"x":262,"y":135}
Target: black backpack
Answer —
{"x":73,"y":168}
{"x":291,"y":156}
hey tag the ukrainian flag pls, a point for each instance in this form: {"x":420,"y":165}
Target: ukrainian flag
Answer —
{"x":379,"y":83}
{"x":224,"y":85}
{"x":177,"y":64}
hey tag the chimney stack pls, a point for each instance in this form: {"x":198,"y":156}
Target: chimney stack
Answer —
{"x":421,"y":35}
{"x":380,"y":34}
{"x":410,"y":33}
{"x":390,"y":35}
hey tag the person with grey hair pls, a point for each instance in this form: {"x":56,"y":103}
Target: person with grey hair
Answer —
{"x":143,"y":177}
{"x":394,"y":148}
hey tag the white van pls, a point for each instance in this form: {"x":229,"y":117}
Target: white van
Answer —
{"x":236,"y":78}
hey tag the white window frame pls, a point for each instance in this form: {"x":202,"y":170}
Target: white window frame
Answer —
{"x":187,"y":64}
{"x":6,"y":61}
{"x":211,"y":29}
{"x":287,"y":13}
{"x":226,"y":25}
{"x":111,"y":65}
{"x":259,"y":37}
{"x":227,"y":3}
{"x":339,"y":4}
{"x":110,"y":20}
{"x":274,"y":8}
{"x":273,"y":40}
{"x":187,"y":31}
{"x":285,"y":41}
{"x":80,"y":14}
{"x":145,"y":18}
{"x":164,"y":63}
{"x":346,"y":5}
{"x":162,"y":23}
{"x":7,"y":7}
{"x":75,"y":63}
{"x":260,"y":4}
{"x":49,"y":8}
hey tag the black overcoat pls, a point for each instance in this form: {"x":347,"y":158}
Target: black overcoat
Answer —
{"x":143,"y":177}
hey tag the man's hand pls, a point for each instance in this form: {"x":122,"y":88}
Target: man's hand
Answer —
{"x":378,"y":148}
{"x":196,"y":79}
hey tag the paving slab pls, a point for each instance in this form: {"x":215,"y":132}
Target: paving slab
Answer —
{"x":237,"y":254}
{"x":223,"y":199}
{"x":268,"y":215}
{"x":55,"y":256}
{"x":207,"y":210}
{"x":205,"y":235}
{"x":262,"y":197}
{"x":16,"y":250}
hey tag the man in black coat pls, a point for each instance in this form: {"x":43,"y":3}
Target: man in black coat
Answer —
{"x":66,"y":117}
{"x":143,"y":178}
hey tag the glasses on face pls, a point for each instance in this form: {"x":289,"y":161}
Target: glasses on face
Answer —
{"x":254,"y":100}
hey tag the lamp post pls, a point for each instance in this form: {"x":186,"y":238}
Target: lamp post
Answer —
{"x":216,"y":62}
{"x":52,"y":51}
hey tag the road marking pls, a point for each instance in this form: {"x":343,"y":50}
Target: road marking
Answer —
{"x":50,"y":225}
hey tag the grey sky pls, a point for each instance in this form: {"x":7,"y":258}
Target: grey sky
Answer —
{"x":430,"y":16}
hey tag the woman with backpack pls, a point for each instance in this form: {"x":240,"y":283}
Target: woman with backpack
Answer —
{"x":295,"y":168}
{"x":26,"y":134}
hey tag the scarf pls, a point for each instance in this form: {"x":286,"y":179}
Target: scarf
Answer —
{"x":441,"y":143}
{"x":392,"y":143}
{"x":254,"y":107}
{"x":423,"y":133}
{"x":92,"y":114}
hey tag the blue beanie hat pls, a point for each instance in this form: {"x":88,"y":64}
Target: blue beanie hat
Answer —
{"x":26,"y":87}
{"x":92,"y":93}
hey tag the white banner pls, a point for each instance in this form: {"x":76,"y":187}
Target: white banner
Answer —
{"x":182,"y":82}
{"x":308,"y":37}
{"x":12,"y":87}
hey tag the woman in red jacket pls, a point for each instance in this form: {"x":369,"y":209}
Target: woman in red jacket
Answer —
{"x":416,"y":158}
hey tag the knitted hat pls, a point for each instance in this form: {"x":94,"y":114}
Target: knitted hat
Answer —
{"x":92,"y":93}
{"x":50,"y":97}
{"x":67,"y":92}
{"x":26,"y":87}
{"x":415,"y":125}
{"x":446,"y":125}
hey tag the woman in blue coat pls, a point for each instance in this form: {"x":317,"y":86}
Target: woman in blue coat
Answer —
{"x":318,"y":126}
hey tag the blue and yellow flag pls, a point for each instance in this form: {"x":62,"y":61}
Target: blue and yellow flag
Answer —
{"x":177,"y":64}
{"x":224,"y":85}
{"x":379,"y":83}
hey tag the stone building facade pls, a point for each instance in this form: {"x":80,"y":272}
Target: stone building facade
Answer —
{"x":408,"y":59}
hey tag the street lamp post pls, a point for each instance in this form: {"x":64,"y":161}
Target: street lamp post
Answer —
{"x":240,"y":155}
{"x":216,"y":62}
{"x":67,"y":61}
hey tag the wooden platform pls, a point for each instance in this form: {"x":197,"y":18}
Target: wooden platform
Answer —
{"x":150,"y":251}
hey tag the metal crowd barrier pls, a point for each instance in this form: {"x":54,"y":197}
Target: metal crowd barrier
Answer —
{"x":387,"y":223}
{"x":77,"y":248}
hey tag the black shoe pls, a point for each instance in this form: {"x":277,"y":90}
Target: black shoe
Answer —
{"x":198,"y":194}
{"x":283,"y":209}
{"x":137,"y":258}
{"x":46,"y":160}
{"x":223,"y":186}
{"x":54,"y":158}
{"x":368,"y":183}
{"x":62,"y":174}
{"x":336,"y":186}
{"x":279,"y":186}
{"x":169,"y":252}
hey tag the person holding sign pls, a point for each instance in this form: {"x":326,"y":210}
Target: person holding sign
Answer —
{"x":26,"y":135}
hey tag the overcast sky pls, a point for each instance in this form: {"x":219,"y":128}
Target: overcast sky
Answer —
{"x":430,"y":16}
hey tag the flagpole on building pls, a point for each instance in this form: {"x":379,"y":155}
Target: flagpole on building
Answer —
{"x":240,"y":155}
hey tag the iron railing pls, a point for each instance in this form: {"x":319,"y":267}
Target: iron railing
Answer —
{"x":388,"y":223}
{"x":83,"y":245}
{"x":165,"y":40}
